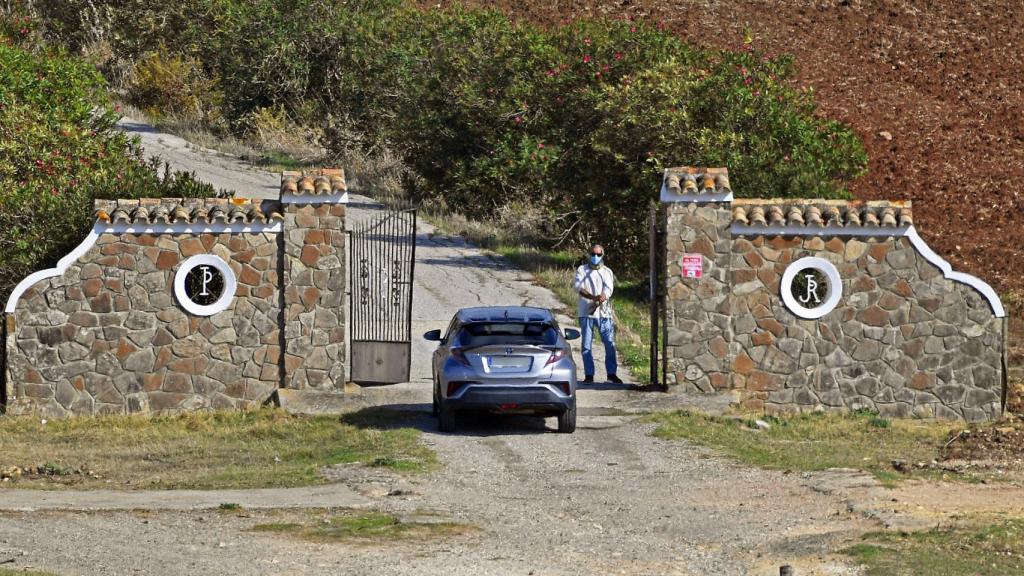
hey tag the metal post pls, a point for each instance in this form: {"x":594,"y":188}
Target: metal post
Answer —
{"x":412,"y":284}
{"x":653,"y":291}
{"x":3,"y":363}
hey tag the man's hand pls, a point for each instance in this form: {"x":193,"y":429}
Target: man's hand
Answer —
{"x":601,"y":299}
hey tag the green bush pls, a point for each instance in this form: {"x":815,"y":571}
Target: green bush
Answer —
{"x":164,"y":83}
{"x":578,"y":121}
{"x":59,"y":150}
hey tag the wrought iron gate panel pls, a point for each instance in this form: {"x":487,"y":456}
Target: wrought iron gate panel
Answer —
{"x":382,"y":253}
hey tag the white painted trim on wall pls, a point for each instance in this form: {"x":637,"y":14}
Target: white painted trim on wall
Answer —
{"x":671,"y":198}
{"x":314,"y":199}
{"x":62,"y":266}
{"x":874,"y":231}
{"x":903,"y":231}
{"x":947,"y":270}
{"x":184,"y":228}
{"x":99,"y":229}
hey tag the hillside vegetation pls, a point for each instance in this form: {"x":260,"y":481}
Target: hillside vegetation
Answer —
{"x":568,"y":126}
{"x":59,"y":149}
{"x":934,"y":89}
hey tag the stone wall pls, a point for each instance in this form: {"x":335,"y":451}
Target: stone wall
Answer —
{"x":107,"y":336}
{"x":314,"y":248}
{"x":904,"y":339}
{"x":106,"y":331}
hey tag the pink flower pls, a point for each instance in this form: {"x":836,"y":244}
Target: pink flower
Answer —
{"x":757,"y":93}
{"x":605,"y":68}
{"x":618,"y":55}
{"x":540,"y":145}
{"x":551,"y":73}
{"x":518,"y":120}
{"x":632,"y":28}
{"x":747,"y":81}
{"x":786,"y":157}
{"x":586,"y":41}
{"x":586,"y":59}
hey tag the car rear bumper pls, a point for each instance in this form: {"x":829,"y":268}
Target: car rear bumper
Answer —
{"x":541,"y":398}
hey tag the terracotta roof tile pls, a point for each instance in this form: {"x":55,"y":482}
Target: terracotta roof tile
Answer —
{"x":821,"y":213}
{"x":694,"y":181}
{"x":187,"y":211}
{"x":321,"y":182}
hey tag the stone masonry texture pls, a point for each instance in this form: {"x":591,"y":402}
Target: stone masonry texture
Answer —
{"x":109,"y":337}
{"x":314,"y":248}
{"x":904,"y":340}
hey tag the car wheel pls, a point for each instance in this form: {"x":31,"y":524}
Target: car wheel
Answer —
{"x":567,"y":420}
{"x":445,"y":419}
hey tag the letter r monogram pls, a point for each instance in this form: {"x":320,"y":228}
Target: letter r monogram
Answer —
{"x":207,"y":278}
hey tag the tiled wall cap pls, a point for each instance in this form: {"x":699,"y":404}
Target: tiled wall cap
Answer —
{"x":821,"y":213}
{"x":690,"y":181}
{"x":185,"y":211}
{"x":323,"y":182}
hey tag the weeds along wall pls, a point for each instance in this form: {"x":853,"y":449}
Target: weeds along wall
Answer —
{"x":184,"y":304}
{"x":796,"y":305}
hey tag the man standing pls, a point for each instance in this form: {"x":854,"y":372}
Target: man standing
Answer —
{"x":594,"y":283}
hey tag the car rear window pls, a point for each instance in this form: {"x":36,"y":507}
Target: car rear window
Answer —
{"x":488,"y":333}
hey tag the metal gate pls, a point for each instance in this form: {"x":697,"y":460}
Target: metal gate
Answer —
{"x":382,"y":254}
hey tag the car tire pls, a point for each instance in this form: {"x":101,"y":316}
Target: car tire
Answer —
{"x":436,"y":410}
{"x":567,"y":420}
{"x":445,"y":419}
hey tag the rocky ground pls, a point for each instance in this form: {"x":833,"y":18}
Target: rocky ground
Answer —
{"x":609,"y":499}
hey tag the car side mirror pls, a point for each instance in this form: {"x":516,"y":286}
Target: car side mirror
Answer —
{"x":571,"y":333}
{"x":433,"y":336}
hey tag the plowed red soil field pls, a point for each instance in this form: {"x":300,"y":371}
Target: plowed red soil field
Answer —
{"x":933,"y":87}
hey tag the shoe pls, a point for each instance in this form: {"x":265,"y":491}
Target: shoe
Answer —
{"x":588,"y":379}
{"x":614,"y":379}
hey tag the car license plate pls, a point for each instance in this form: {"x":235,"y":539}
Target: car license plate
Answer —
{"x":508,"y":363}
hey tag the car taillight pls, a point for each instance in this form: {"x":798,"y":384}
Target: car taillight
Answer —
{"x":453,"y":387}
{"x":460,"y":356}
{"x":556,"y":355}
{"x":565,"y":387}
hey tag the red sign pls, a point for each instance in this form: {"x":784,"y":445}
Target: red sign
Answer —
{"x":693,"y":265}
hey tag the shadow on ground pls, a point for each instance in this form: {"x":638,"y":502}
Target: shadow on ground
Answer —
{"x":480,"y":424}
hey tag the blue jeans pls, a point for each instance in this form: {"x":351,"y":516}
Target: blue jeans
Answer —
{"x":606,"y":329}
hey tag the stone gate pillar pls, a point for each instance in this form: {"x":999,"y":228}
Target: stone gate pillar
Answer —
{"x":698,"y":314}
{"x":314,"y":279}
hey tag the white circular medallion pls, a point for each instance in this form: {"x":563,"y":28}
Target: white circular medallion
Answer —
{"x":204,"y":285}
{"x":811,"y":287}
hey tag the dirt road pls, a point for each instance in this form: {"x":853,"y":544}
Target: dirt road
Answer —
{"x":609,"y":499}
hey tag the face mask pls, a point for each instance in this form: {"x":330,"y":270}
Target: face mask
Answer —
{"x":595,"y":260}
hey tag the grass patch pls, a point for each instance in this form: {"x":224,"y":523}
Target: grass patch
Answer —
{"x":371,"y":527}
{"x":206,"y":450}
{"x":993,"y":550}
{"x":815,"y":441}
{"x":15,"y":572}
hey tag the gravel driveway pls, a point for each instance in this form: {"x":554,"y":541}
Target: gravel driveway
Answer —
{"x":609,"y":499}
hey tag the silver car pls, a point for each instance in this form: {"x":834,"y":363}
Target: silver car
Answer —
{"x":507,"y":359}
